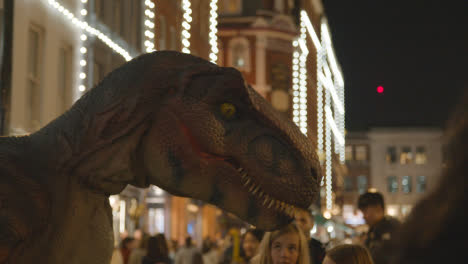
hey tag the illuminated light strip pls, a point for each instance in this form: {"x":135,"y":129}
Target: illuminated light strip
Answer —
{"x":338,"y":136}
{"x":213,"y":31}
{"x":295,"y":79}
{"x":331,"y":54}
{"x":303,"y":46}
{"x":84,"y":26}
{"x":303,"y":79}
{"x":149,"y":26}
{"x":187,"y":19}
{"x":310,"y":29}
{"x":328,"y":158}
{"x":329,"y":85}
{"x":319,"y":107}
{"x":69,"y":15}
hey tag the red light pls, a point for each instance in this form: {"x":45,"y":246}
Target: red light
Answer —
{"x":380,"y":89}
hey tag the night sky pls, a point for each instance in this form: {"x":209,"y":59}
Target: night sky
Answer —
{"x":416,"y":49}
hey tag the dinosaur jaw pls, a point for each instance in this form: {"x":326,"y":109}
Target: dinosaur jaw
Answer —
{"x":246,"y":198}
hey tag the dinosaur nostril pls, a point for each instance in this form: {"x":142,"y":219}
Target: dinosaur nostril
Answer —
{"x":314,"y":174}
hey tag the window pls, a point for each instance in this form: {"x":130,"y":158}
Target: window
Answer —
{"x":162,"y":33}
{"x":230,"y":7}
{"x":391,"y":155}
{"x":406,"y":184}
{"x":421,"y":184}
{"x":35,"y":56}
{"x":420,"y":157}
{"x":361,"y":153}
{"x":173,"y":38}
{"x":362,"y":183}
{"x":64,"y":76}
{"x":239,"y":54}
{"x":392,"y":184}
{"x":238,"y":58}
{"x":348,"y":184}
{"x":406,"y":156}
{"x":349,"y":153}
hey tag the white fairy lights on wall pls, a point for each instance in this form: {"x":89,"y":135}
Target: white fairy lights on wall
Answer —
{"x":187,"y":19}
{"x":213,"y":31}
{"x":300,"y":80}
{"x":332,"y":81}
{"x":86,"y":28}
{"x":149,"y":26}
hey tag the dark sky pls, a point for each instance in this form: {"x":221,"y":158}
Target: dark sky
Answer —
{"x":416,"y":49}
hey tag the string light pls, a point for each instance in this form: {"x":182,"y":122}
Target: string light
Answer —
{"x":187,"y":19}
{"x":90,"y":30}
{"x":149,"y":26}
{"x":213,"y":31}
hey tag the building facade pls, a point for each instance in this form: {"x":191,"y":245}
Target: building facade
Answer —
{"x":404,"y":164}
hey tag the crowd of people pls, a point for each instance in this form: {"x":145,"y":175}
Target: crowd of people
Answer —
{"x":291,"y":244}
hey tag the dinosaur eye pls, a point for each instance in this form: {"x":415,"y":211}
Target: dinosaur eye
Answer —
{"x":228,"y":110}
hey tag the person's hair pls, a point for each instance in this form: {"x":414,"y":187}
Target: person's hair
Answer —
{"x":126,"y":241}
{"x":370,"y":199}
{"x":257,"y":233}
{"x":434,"y":231}
{"x":157,"y":247}
{"x":350,"y":254}
{"x":188,"y":241}
{"x":269,"y":237}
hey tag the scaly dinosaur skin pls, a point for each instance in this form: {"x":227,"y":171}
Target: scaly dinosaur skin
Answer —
{"x":166,"y":118}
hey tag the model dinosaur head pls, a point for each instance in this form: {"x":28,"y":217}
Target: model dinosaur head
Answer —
{"x":215,"y":139}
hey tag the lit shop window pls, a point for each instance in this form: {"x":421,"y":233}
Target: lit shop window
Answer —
{"x":391,"y":155}
{"x":392,"y":184}
{"x":421,"y":184}
{"x":406,"y":184}
{"x":393,"y":210}
{"x":406,"y":156}
{"x":420,"y":157}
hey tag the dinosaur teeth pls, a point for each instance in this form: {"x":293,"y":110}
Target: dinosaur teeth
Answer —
{"x":266,"y":199}
{"x":247,"y":182}
{"x":255,"y":190}
{"x":272,"y":202}
{"x":240,"y":169}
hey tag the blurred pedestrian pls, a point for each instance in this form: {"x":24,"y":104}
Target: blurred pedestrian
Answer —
{"x":136,"y":256}
{"x":157,"y":251}
{"x":210,"y":252}
{"x":305,"y":221}
{"x":381,"y":227}
{"x":435,"y":231}
{"x":287,"y":245}
{"x":251,"y":243}
{"x":185,"y":254}
{"x":126,"y":247}
{"x":348,"y":254}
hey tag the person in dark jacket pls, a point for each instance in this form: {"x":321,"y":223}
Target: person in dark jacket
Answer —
{"x":158,"y":252}
{"x":381,"y":227}
{"x":305,"y":221}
